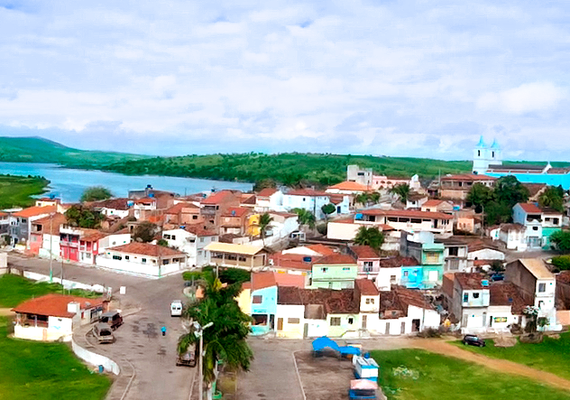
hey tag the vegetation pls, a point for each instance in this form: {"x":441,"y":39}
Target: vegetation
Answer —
{"x":17,"y":191}
{"x":498,"y":203}
{"x":265,"y":221}
{"x":45,"y":371}
{"x":553,"y":197}
{"x":402,"y":191}
{"x":36,"y":149}
{"x":551,"y":355}
{"x":83,"y":217}
{"x":96,"y":193}
{"x":367,"y":198}
{"x":562,"y":263}
{"x":230,"y":275}
{"x":562,"y":240}
{"x":145,"y":232}
{"x":416,"y":374}
{"x":369,"y":236}
{"x":328,"y":209}
{"x":305,"y":217}
{"x":226,"y":339}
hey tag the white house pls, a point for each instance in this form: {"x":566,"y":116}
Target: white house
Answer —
{"x":144,"y":259}
{"x":481,"y":254}
{"x":191,"y":240}
{"x":53,"y":317}
{"x":540,"y":223}
{"x":350,"y":188}
{"x":308,"y":199}
{"x":269,"y":199}
{"x":408,"y":220}
{"x":142,"y":206}
{"x":513,"y":235}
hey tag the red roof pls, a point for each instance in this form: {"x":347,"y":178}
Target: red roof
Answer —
{"x":199,"y":230}
{"x":351,"y":186}
{"x":468,"y":177}
{"x":470,"y":281}
{"x":55,"y":305}
{"x":177,"y":208}
{"x":218,"y":197}
{"x":398,"y":261}
{"x":35,"y":211}
{"x":321,"y":249}
{"x":55,"y":222}
{"x":146,"y":200}
{"x":267,"y":192}
{"x":335,"y":259}
{"x":530,"y":208}
{"x":146,"y":249}
{"x":406,"y":213}
{"x":236,"y":212}
{"x":307,"y":192}
{"x":261,"y":280}
{"x":366,"y":287}
{"x":293,"y":261}
{"x":365,"y":252}
{"x":433,"y":203}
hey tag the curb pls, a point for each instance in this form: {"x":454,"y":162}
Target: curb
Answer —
{"x":298,"y":374}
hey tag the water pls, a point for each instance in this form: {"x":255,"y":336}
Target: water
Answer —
{"x":68,"y":184}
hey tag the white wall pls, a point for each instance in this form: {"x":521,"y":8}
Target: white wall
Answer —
{"x":95,"y":359}
{"x":486,"y":254}
{"x":317,"y":327}
{"x":384,"y":276}
{"x":342,"y":231}
{"x":147,"y":269}
{"x":58,"y":328}
{"x":290,"y":311}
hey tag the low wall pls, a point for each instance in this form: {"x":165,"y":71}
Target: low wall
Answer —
{"x":95,"y":359}
{"x":563,"y":317}
{"x":66,"y":283}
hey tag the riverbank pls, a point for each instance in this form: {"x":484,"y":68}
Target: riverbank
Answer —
{"x":18,"y":191}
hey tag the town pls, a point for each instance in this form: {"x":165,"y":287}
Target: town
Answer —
{"x":371,"y":269}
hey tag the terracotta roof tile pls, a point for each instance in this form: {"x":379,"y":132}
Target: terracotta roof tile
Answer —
{"x":398,"y":261}
{"x":352,"y":186}
{"x":406,"y":213}
{"x":292,"y":261}
{"x":115,"y":204}
{"x":335,"y":259}
{"x":468,"y":177}
{"x":470,"y":281}
{"x":199,"y":230}
{"x":342,"y":301}
{"x":35,"y":211}
{"x":146,"y":249}
{"x":55,"y":305}
{"x":530,"y":208}
{"x":364,"y":252}
{"x":178,"y":208}
{"x":218,"y":197}
{"x":322,"y":249}
{"x":236,"y":212}
{"x":366,"y":287}
{"x":505,"y":294}
{"x":56,"y":221}
{"x":261,"y":280}
{"x":267,"y":192}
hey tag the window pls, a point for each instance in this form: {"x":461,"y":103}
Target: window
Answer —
{"x":392,"y":278}
{"x":257,"y":299}
{"x":335,"y":321}
{"x":324,"y":269}
{"x":115,"y":257}
{"x":167,"y":236}
{"x":293,"y":320}
{"x":143,"y":260}
{"x":368,"y":266}
{"x":242,"y":258}
{"x":173,"y":237}
{"x":535,"y":228}
{"x":165,"y":262}
{"x":201,"y":240}
{"x":465,"y":297}
{"x":475,"y":295}
{"x":127,"y":257}
{"x":346,"y":268}
{"x":454,"y":251}
{"x":369,"y":301}
{"x":406,"y":273}
{"x":542,"y":287}
{"x":24,"y":220}
{"x":350,"y":320}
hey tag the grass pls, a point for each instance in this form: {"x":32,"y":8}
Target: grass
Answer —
{"x":17,"y":190}
{"x":16,"y":289}
{"x":36,"y":370}
{"x":417,"y":374}
{"x":551,"y":355}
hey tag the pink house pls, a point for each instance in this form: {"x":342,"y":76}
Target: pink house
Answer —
{"x":368,"y":261}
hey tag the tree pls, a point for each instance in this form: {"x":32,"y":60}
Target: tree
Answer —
{"x":369,"y":236}
{"x":83,"y":217}
{"x":509,"y":191}
{"x":479,"y":196}
{"x":305,"y":217}
{"x":328,"y":209}
{"x":145,"y":232}
{"x":562,"y":263}
{"x":95,"y":193}
{"x":362,"y":198}
{"x":265,"y":221}
{"x":402,"y":191}
{"x":225,"y":340}
{"x":562,"y":240}
{"x":552,"y":197}
{"x":162,"y":242}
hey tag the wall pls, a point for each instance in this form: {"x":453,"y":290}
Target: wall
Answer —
{"x":317,"y":327}
{"x":142,"y":269}
{"x":290,"y":330}
{"x":486,"y":254}
{"x":3,"y":263}
{"x":337,"y":276}
{"x":268,"y":302}
{"x":67,"y":284}
{"x":383,"y":282}
{"x":337,"y":331}
{"x":95,"y":359}
{"x":496,"y":314}
{"x":342,"y":231}
{"x":57,"y":328}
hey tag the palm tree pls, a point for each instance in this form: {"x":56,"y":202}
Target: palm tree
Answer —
{"x":402,"y":191}
{"x":361,"y":198}
{"x":369,"y":236}
{"x":305,"y":217}
{"x":265,"y":222}
{"x":225,"y":339}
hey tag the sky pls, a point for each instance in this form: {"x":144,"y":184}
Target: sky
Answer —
{"x":399,"y":78}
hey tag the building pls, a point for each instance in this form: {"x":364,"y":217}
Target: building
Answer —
{"x":307,"y":199}
{"x":457,"y":187}
{"x":337,"y":271}
{"x":455,"y":254}
{"x":416,"y":200}
{"x":269,"y":199}
{"x":436,"y":205}
{"x":217,"y":204}
{"x":191,"y":240}
{"x":484,"y":156}
{"x":44,"y":236}
{"x":430,"y":256}
{"x":361,"y":176}
{"x":512,"y":235}
{"x":235,"y":221}
{"x":53,"y":317}
{"x":348,"y":188}
{"x":391,"y":271}
{"x":540,"y":223}
{"x":143,"y":259}
{"x":367,"y":260}
{"x":183,"y":214}
{"x":405,"y":311}
{"x":143,"y":208}
{"x":409,"y":220}
{"x":118,"y":207}
{"x":84,"y":245}
{"x":21,"y":222}
{"x":483,"y":254}
{"x":237,"y":255}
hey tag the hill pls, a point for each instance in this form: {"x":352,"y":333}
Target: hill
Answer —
{"x":40,"y":150}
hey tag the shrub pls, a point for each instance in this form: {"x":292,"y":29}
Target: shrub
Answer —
{"x":561,"y":262}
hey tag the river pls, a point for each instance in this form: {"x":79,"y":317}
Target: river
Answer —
{"x":68,"y":184}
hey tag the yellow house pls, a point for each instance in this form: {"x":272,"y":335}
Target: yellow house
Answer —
{"x":244,"y":298}
{"x":253,"y":225}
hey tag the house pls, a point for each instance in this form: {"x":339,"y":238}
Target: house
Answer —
{"x":234,"y":220}
{"x":314,"y":250}
{"x":282,"y":225}
{"x":182,"y":214}
{"x":191,"y":240}
{"x":536,"y":284}
{"x":467,"y":297}
{"x":217,"y":204}
{"x":391,"y":274}
{"x":467,"y":221}
{"x":248,"y":200}
{"x":5,"y":224}
{"x":44,"y":236}
{"x":512,"y":235}
{"x":48,"y":202}
{"x":406,"y":220}
{"x":366,"y":177}
{"x":483,"y":254}
{"x":405,"y":311}
{"x":143,"y":208}
{"x":149,"y":191}
{"x":416,"y":200}
{"x":118,"y":207}
{"x":430,"y":256}
{"x":366,"y":291}
{"x":307,"y":199}
{"x":337,"y":271}
{"x":53,"y":317}
{"x":455,"y":254}
{"x":22,"y":222}
{"x":436,"y":205}
{"x":237,"y":255}
{"x":269,"y":199}
{"x":264,"y":286}
{"x":292,"y":263}
{"x":347,"y":187}
{"x":144,"y":259}
{"x":367,"y":260}
{"x":540,"y":223}
{"x":84,"y":245}
{"x":457,"y":187}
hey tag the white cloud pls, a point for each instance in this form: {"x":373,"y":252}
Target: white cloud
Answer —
{"x":528,"y":97}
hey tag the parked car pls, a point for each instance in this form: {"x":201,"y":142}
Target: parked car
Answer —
{"x":187,"y":359}
{"x":112,"y":319}
{"x":103,"y":333}
{"x":176,"y":308}
{"x":473,"y":340}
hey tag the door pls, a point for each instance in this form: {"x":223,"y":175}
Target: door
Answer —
{"x":306,"y":330}
{"x":484,"y":319}
{"x":364,"y":321}
{"x":387,"y":332}
{"x":279,"y":324}
{"x":403,"y":328}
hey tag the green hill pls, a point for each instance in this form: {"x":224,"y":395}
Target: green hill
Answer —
{"x":40,"y":150}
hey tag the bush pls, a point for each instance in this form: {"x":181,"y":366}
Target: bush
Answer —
{"x":561,"y":262}
{"x":231,"y":275}
{"x":322,"y":229}
{"x":192,"y":275}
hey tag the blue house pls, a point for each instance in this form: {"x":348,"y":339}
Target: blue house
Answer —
{"x":430,"y":256}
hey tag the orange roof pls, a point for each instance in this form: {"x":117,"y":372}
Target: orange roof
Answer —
{"x":235,"y":212}
{"x":530,"y":208}
{"x":293,"y":261}
{"x":55,"y":305}
{"x":347,"y":185}
{"x":146,"y":200}
{"x":3,"y":214}
{"x":322,"y":249}
{"x":56,"y":221}
{"x":366,"y":287}
{"x":365,"y":252}
{"x":146,"y":249}
{"x":406,"y":213}
{"x":336,"y":259}
{"x":177,"y":208}
{"x":267,"y":192}
{"x":35,"y":211}
{"x":218,"y":197}
{"x":198,"y":230}
{"x":261,"y":280}
{"x":433,"y":203}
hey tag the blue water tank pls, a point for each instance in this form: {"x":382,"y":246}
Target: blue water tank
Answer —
{"x":307,"y":259}
{"x":358,"y":216}
{"x":151,"y":195}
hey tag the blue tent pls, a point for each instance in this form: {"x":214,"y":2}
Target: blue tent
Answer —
{"x":324,"y":342}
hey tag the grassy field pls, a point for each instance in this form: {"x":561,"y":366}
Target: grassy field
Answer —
{"x":551,"y":355}
{"x":17,"y":190}
{"x":416,"y":374}
{"x":44,"y":371}
{"x":15,"y":289}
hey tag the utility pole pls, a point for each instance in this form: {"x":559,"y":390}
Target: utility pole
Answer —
{"x":200,"y":333}
{"x":50,"y":248}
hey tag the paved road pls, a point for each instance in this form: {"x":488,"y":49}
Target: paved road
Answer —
{"x":139,"y":339}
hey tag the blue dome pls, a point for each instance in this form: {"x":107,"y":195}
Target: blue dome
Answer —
{"x":495,"y":145}
{"x":481,"y":142}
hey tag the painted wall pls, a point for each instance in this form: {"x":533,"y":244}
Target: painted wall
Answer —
{"x":148,"y":269}
{"x":337,"y":276}
{"x":268,"y":303}
{"x":348,"y":322}
{"x":293,"y":321}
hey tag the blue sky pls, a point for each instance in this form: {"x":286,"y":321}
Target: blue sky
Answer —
{"x":401,"y":78}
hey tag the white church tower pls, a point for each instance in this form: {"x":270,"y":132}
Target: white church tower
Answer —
{"x":484,"y":156}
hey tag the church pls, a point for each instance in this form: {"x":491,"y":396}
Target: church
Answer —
{"x":488,"y":160}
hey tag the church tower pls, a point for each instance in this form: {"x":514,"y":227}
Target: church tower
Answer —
{"x":481,"y":157}
{"x":495,"y":154}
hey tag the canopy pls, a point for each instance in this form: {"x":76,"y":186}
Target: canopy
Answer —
{"x":324,"y":342}
{"x":363,"y":384}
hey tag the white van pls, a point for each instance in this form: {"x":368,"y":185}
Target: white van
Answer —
{"x":176,"y":308}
